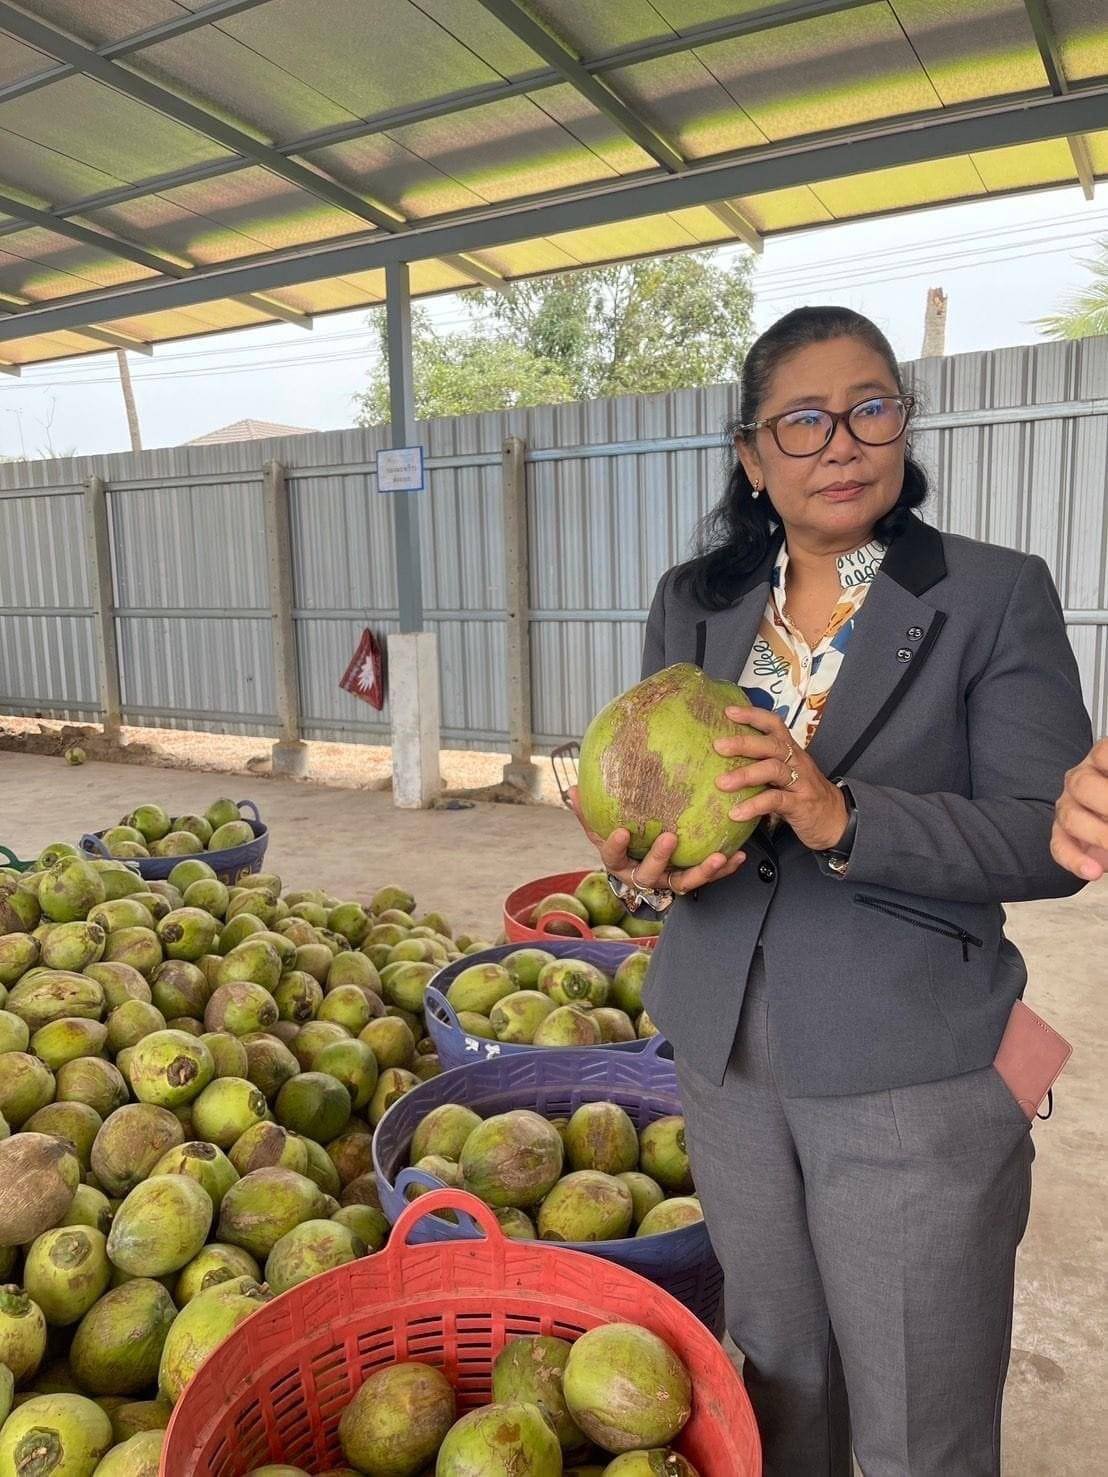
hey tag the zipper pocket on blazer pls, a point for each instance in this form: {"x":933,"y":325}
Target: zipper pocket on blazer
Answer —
{"x":919,"y":919}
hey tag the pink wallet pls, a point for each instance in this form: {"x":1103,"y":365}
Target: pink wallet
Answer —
{"x":1030,"y":1057}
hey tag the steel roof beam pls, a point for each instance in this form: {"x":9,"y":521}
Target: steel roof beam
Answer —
{"x":262,"y":302}
{"x":118,"y":340}
{"x":608,"y":102}
{"x":31,"y":215}
{"x":463,"y":261}
{"x":1050,"y":52}
{"x":756,"y":21}
{"x":165,"y":31}
{"x":733,"y":218}
{"x":1002,"y":123}
{"x":594,"y":89}
{"x":90,"y":63}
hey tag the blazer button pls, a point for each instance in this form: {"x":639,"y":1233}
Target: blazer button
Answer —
{"x":915,"y":633}
{"x":904,"y":655}
{"x":767,"y":872}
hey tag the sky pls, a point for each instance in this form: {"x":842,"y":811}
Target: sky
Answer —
{"x":1002,"y":263}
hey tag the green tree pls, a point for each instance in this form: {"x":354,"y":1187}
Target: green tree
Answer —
{"x":641,"y":328}
{"x":462,"y":373}
{"x":1086,"y":312}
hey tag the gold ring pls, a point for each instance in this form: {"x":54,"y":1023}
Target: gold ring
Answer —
{"x":794,"y":775}
{"x":635,"y":877}
{"x":788,"y":759}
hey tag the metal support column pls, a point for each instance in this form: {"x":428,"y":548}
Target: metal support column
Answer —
{"x":289,"y":753}
{"x":98,"y":558}
{"x":398,"y":310}
{"x":413,"y":671}
{"x":520,"y":771}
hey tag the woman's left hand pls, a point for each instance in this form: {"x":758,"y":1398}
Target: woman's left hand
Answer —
{"x":796,"y":789}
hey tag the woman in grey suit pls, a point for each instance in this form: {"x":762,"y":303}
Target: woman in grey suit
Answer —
{"x":835,"y":993}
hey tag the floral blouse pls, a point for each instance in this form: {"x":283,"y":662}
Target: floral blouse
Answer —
{"x":782,"y":672}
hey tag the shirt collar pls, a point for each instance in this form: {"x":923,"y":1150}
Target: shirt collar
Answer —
{"x":859,"y":567}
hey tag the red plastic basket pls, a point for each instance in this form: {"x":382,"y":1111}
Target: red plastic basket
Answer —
{"x":274,"y":1391}
{"x":521,"y":904}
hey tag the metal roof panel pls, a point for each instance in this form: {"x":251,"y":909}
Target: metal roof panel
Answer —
{"x":237,"y":215}
{"x":504,"y":149}
{"x":99,"y":127}
{"x":367,"y":57}
{"x":100,"y":21}
{"x":1082,"y":30}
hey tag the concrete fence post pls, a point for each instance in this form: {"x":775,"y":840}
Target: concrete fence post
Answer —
{"x":98,"y":553}
{"x":289,"y":753}
{"x":520,"y":771}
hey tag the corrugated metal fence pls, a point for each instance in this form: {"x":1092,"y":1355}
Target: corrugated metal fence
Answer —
{"x":1016,"y":439}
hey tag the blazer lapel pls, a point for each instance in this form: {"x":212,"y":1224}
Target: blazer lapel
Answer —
{"x":724,"y":639}
{"x":894,"y":633}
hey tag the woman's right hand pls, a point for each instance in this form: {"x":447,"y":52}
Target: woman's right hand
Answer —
{"x":654,"y":871}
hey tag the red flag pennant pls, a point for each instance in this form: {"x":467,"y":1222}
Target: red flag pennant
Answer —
{"x":365,"y":676}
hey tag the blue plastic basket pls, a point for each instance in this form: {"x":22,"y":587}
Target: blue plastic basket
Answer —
{"x":456,"y":1046}
{"x":555,"y":1083}
{"x":229,"y":866}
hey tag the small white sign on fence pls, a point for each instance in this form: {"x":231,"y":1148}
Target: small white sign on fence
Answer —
{"x":400,"y":470}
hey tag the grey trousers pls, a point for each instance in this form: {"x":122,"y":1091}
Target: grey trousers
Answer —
{"x":869,"y":1246}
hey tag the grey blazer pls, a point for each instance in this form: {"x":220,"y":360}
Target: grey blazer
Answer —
{"x":954,"y":717}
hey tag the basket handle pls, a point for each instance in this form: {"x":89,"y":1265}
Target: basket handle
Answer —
{"x":467,"y":1207}
{"x":654,"y":1044}
{"x":580,"y":928}
{"x":92,"y":843}
{"x":436,"y":1004}
{"x":13,"y":860}
{"x":252,"y":810}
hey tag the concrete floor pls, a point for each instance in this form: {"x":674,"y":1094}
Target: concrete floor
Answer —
{"x":463,"y":863}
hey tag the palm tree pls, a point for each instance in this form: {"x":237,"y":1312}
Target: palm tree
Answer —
{"x":1086,"y":313}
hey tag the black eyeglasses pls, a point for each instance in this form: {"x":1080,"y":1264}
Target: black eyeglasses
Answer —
{"x":874,"y":422}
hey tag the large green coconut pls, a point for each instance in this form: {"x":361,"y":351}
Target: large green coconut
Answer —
{"x":118,"y":1343}
{"x":139,"y":1456}
{"x":160,"y":1226}
{"x":513,"y":1158}
{"x":66,"y":1271}
{"x":444,"y":1131}
{"x":63,"y":1434}
{"x":216,"y":1263}
{"x":22,"y":1333}
{"x":397,"y":1421}
{"x":265,"y":1205}
{"x":648,"y":765}
{"x":629,"y":981}
{"x":201,"y":1327}
{"x":202,"y":1162}
{"x":586,"y":1206}
{"x":626,"y":1388}
{"x":672,"y":1215}
{"x":130,"y":1143}
{"x":602,"y":1136}
{"x":530,"y":1370}
{"x":660,"y":1462}
{"x":501,"y":1441}
{"x":308,"y":1249}
{"x":70,"y":890}
{"x":525,"y":966}
{"x":664,"y":1155}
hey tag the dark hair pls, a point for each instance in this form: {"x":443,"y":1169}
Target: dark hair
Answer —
{"x":736,"y":535}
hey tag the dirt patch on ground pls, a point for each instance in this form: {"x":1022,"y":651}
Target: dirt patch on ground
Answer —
{"x":467,"y":776}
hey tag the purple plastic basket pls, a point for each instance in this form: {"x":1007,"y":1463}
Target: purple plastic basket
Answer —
{"x":229,"y":866}
{"x":457,"y":1047}
{"x":555,"y":1083}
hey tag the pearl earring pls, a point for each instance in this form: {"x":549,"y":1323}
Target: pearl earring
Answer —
{"x":757,"y":489}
